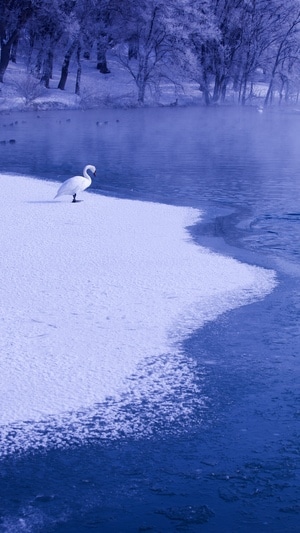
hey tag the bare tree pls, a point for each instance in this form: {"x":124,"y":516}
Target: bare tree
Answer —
{"x":285,"y":42}
{"x":149,"y":45}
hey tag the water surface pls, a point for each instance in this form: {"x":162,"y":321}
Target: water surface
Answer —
{"x":234,"y":158}
{"x":234,"y":467}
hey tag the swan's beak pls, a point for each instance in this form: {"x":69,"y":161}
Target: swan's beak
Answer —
{"x":95,"y":173}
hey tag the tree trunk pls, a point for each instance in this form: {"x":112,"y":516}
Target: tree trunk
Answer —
{"x":47,"y":69}
{"x":31,"y":45}
{"x":204,"y":84}
{"x":4,"y":58}
{"x":5,"y":54}
{"x":141,"y":93}
{"x":133,"y":47}
{"x":244,"y":89}
{"x":141,"y":84}
{"x":204,"y":88}
{"x":223,"y":90}
{"x":287,"y":91}
{"x":87,"y":46}
{"x":269,"y":94}
{"x":142,"y":79}
{"x":101,"y":58}
{"x":217,"y":88}
{"x":78,"y":76}
{"x":14,"y":48}
{"x":39,"y":62}
{"x":65,"y":66}
{"x":205,"y":93}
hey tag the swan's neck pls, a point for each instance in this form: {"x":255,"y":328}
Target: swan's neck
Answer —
{"x":86,"y":175}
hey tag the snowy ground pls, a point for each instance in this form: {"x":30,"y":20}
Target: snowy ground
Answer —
{"x":116,"y":89}
{"x":90,"y":293}
{"x":21,"y":91}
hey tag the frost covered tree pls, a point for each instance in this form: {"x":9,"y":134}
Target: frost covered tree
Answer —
{"x":252,"y":35}
{"x":13,"y":17}
{"x":149,"y":43}
{"x":91,"y":23}
{"x":106,"y":21}
{"x":254,"y":20}
{"x":219,"y":44}
{"x":198,"y":37}
{"x":49,"y":25}
{"x":229,"y":19}
{"x":284,"y":47}
{"x":78,"y":15}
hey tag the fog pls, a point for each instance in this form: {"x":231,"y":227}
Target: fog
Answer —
{"x":188,"y":153}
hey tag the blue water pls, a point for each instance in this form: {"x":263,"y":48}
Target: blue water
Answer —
{"x":234,"y":467}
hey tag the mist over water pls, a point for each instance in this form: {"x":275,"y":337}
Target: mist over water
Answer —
{"x":226,"y":157}
{"x":239,"y":469}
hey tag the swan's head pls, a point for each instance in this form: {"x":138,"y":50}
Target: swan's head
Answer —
{"x":91,"y":168}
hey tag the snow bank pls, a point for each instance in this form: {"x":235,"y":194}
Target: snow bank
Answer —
{"x":95,"y":298}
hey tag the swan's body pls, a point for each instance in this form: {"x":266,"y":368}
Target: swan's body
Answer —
{"x":77,"y":183}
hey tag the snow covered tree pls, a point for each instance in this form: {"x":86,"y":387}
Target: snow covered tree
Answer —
{"x":199,"y":37}
{"x":13,"y":17}
{"x":77,"y":15}
{"x":220,"y":44}
{"x":285,"y":43}
{"x":229,"y":19}
{"x":91,"y":23}
{"x":254,"y":20}
{"x":105,"y":21}
{"x":47,"y":29}
{"x":149,"y":43}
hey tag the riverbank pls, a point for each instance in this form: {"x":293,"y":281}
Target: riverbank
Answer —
{"x":117,"y":89}
{"x":93,"y":294}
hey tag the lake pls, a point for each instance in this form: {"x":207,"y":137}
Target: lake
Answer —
{"x":235,"y":466}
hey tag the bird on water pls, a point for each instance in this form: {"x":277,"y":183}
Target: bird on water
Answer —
{"x":77,"y":183}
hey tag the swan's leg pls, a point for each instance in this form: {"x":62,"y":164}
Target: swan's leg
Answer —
{"x":74,"y":198}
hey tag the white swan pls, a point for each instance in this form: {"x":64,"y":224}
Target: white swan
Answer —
{"x":77,"y":183}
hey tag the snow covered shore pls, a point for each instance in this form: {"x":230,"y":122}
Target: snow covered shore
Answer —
{"x":90,"y":292}
{"x":115,"y":90}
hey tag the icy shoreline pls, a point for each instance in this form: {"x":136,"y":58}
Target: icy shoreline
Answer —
{"x":90,"y":292}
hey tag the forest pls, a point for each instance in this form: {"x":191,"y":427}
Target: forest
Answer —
{"x":224,"y":46}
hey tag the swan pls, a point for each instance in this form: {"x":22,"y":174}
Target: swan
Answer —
{"x":77,"y":183}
